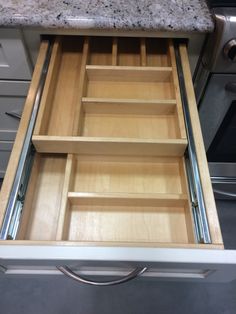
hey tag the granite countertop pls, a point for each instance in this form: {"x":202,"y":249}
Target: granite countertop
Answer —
{"x":144,"y":15}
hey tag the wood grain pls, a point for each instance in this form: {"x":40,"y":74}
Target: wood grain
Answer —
{"x":45,"y":109}
{"x":117,"y":108}
{"x":100,"y":52}
{"x":127,"y":224}
{"x":64,"y":206}
{"x":212,"y":216}
{"x":114,"y":51}
{"x":143,"y":52}
{"x":179,"y":108}
{"x":15,"y":155}
{"x":128,"y":52}
{"x":128,"y":174}
{"x":114,"y":146}
{"x":47,"y":198}
{"x":128,"y":199}
{"x":157,"y":52}
{"x":129,"y":106}
{"x":128,"y":73}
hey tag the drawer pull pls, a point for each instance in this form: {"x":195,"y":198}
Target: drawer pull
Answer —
{"x":3,"y":269}
{"x":14,"y":114}
{"x":132,"y":275}
{"x":231,"y":87}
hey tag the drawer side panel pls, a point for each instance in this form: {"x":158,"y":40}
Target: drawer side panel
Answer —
{"x":13,"y":162}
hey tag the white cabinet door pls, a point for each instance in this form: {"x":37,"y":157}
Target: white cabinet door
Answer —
{"x":162,"y":264}
{"x":12,"y":99}
{"x":14,"y":63}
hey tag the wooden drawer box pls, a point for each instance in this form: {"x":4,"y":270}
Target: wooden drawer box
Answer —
{"x":110,"y":139}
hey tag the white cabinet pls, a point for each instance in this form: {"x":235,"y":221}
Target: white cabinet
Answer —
{"x":15,"y":76}
{"x":14,"y":63}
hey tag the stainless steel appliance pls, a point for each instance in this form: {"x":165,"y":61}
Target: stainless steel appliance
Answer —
{"x":215,"y":86}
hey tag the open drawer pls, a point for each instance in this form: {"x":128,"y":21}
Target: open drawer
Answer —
{"x":112,"y":167}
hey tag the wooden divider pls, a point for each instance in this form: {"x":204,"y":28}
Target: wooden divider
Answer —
{"x":143,"y":52}
{"x":129,"y":106}
{"x":114,"y":146}
{"x":82,"y":85}
{"x":45,"y":108}
{"x":114,"y":51}
{"x":64,"y":208}
{"x":179,"y":108}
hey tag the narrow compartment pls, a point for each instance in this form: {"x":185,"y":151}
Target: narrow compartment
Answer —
{"x":128,"y":52}
{"x":128,"y":174}
{"x":129,"y":82}
{"x":133,"y":119}
{"x":43,"y":199}
{"x":157,"y":52}
{"x":130,"y":224}
{"x":59,"y":103}
{"x":100,"y":52}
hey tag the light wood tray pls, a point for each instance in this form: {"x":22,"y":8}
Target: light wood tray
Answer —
{"x":110,"y":139}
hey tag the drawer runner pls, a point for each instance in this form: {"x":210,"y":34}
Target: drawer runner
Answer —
{"x":195,"y":187}
{"x":15,"y":204}
{"x":14,"y":207}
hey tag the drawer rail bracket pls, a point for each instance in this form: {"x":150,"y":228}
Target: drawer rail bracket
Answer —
{"x":202,"y":232}
{"x":15,"y":204}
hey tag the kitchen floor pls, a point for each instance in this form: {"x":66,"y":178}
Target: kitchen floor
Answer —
{"x":59,"y":294}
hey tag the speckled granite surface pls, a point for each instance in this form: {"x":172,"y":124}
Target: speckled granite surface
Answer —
{"x":162,"y":15}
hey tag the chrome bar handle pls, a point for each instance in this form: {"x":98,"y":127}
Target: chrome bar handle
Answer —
{"x":132,"y":275}
{"x":14,"y":114}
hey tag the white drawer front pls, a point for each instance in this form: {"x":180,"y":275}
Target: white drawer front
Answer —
{"x":12,"y":99}
{"x":14,"y":63}
{"x":5,"y":151}
{"x":162,"y":264}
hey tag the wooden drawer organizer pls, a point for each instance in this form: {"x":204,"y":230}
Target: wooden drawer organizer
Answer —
{"x":125,"y":104}
{"x":110,"y":139}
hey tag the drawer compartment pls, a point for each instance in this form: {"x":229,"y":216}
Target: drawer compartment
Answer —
{"x":43,"y":199}
{"x":107,"y":199}
{"x":129,"y":51}
{"x":126,"y":223}
{"x":86,"y":104}
{"x":129,"y":82}
{"x":150,"y":119}
{"x":128,"y":174}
